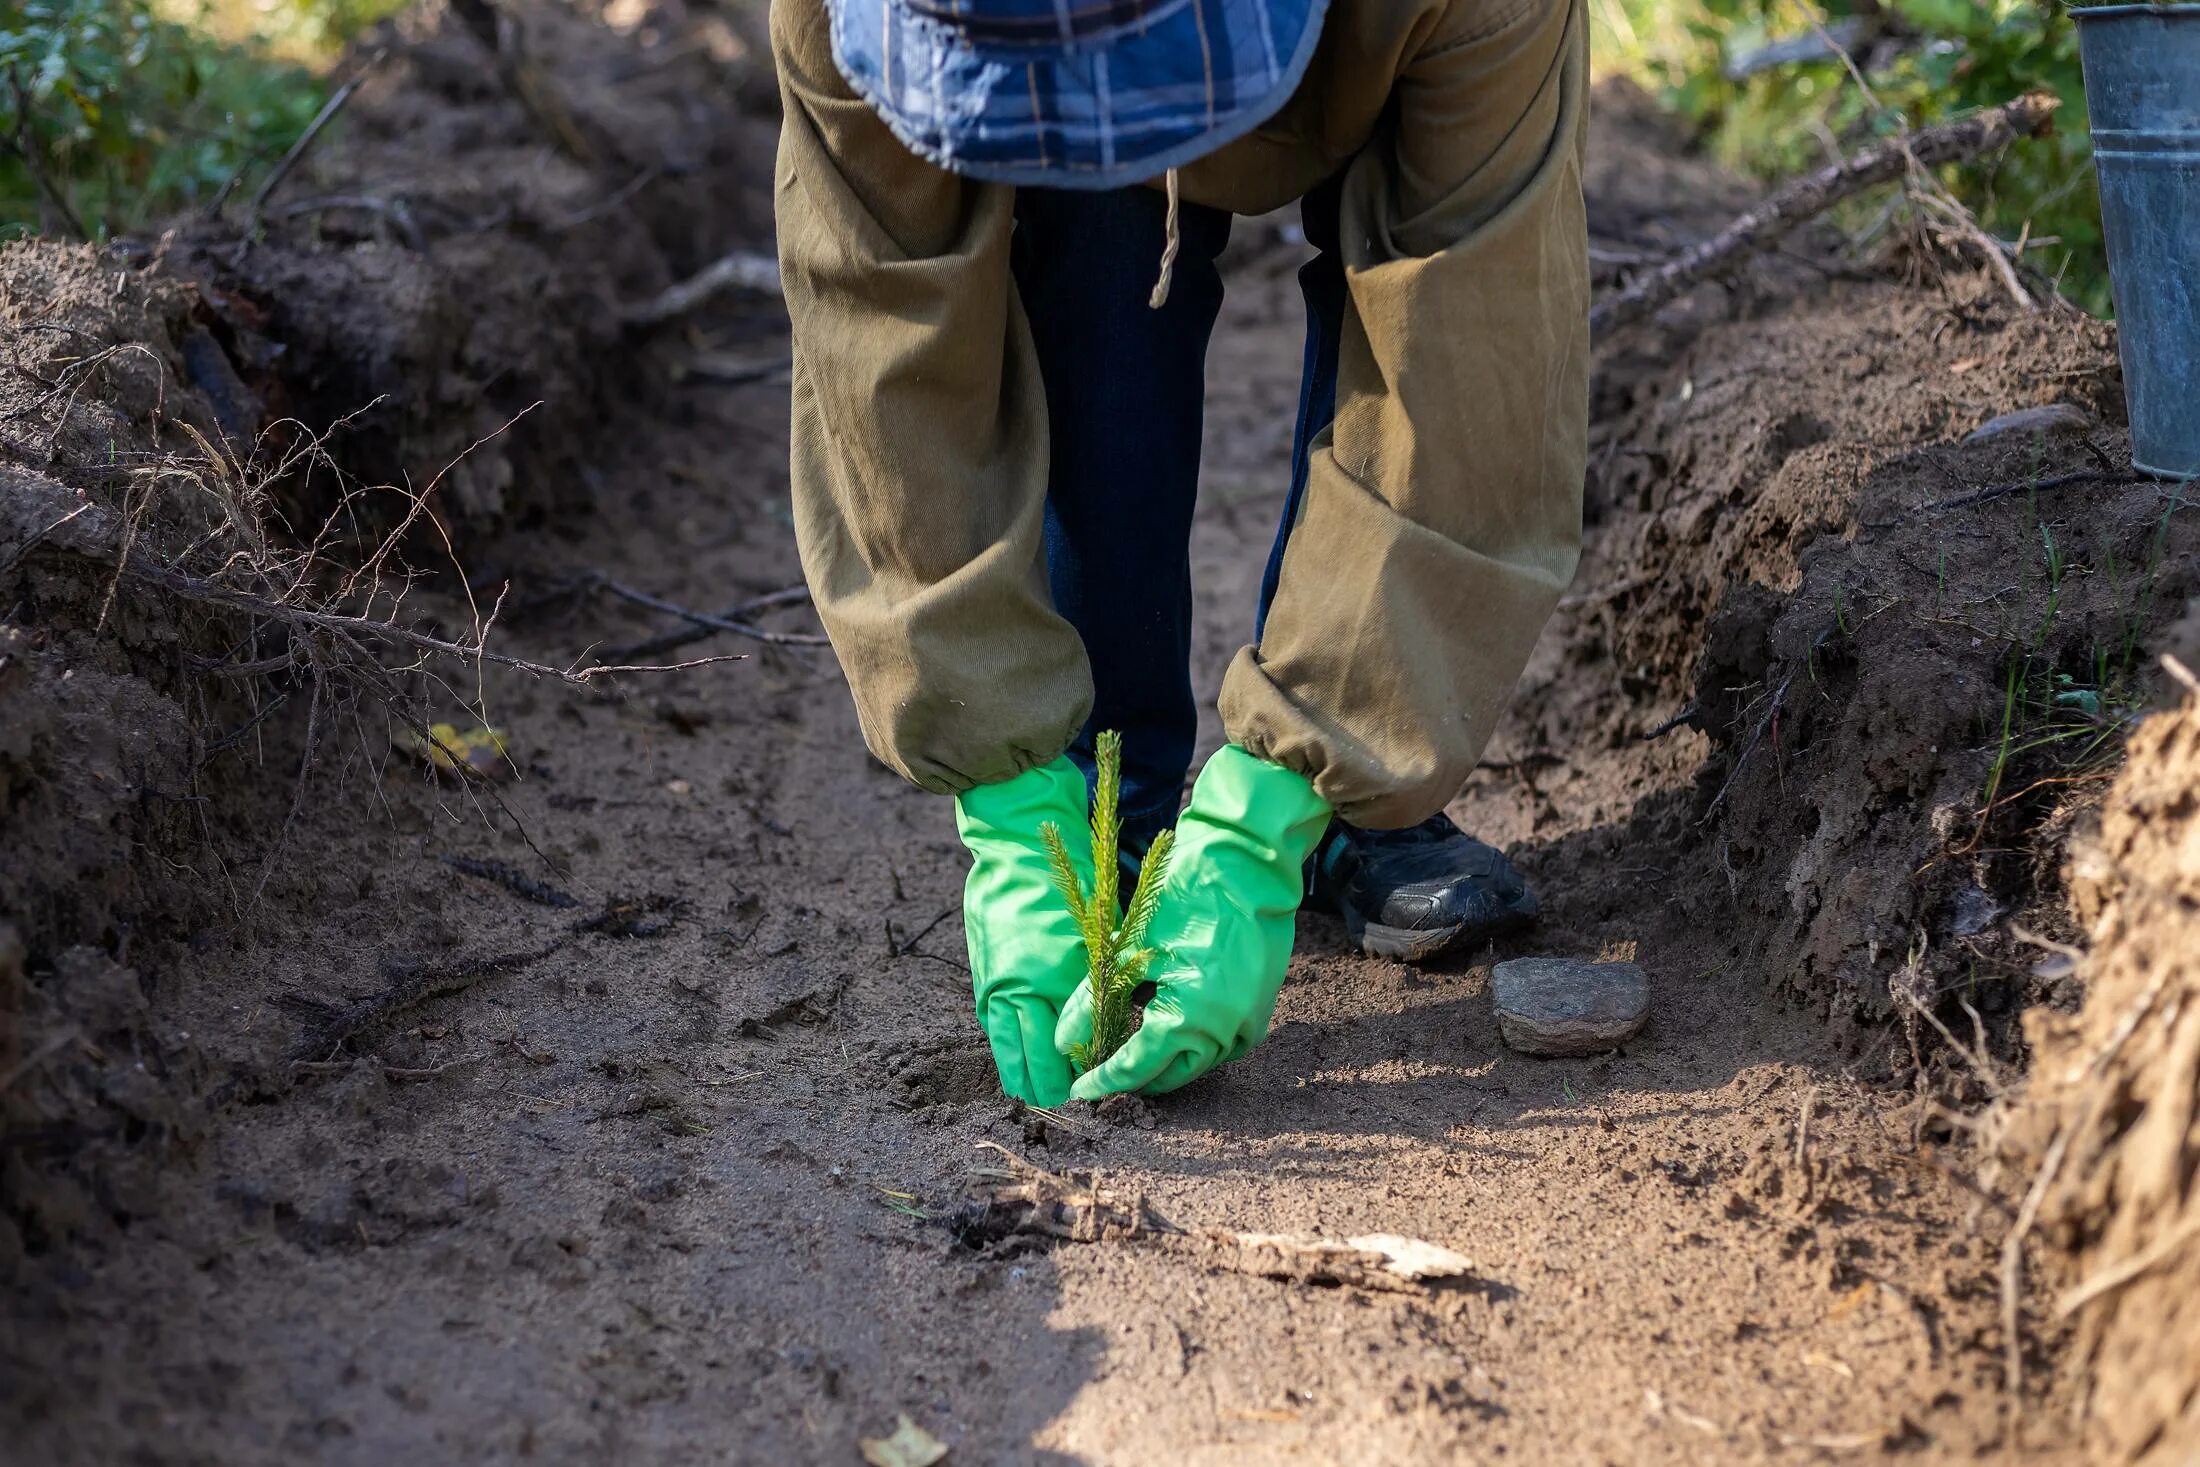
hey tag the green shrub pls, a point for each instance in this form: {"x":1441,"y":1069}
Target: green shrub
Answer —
{"x":1956,"y":56}
{"x":129,"y":115}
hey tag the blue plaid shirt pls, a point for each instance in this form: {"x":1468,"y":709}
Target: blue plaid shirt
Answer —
{"x":1036,"y":92}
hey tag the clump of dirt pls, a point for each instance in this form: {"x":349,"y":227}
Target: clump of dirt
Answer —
{"x":2110,"y":1125}
{"x":1929,"y":671}
{"x":122,"y":828}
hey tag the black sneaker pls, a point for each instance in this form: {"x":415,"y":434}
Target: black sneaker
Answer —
{"x":1410,"y":894}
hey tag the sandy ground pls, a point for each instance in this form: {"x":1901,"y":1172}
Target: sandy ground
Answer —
{"x":673,"y":1196}
{"x":657,"y":1160}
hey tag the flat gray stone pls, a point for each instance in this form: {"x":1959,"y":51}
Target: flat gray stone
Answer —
{"x":2031,"y":422}
{"x":1568,"y":1006}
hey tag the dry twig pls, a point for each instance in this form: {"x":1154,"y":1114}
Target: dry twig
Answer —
{"x":697,"y":628}
{"x":710,"y":623}
{"x":1749,"y":747}
{"x":2023,"y":486}
{"x":321,"y":120}
{"x":1019,"y":1199}
{"x":513,"y":880}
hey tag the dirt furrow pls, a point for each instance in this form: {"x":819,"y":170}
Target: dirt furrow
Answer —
{"x":673,"y":1196}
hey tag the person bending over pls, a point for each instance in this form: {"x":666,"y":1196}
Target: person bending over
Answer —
{"x":999,"y":225}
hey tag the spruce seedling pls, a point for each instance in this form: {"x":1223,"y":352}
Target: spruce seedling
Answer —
{"x":1116,"y":956}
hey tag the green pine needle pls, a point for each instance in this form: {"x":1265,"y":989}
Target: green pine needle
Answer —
{"x":1093,"y":921}
{"x":1107,"y":825}
{"x":1116,"y":958}
{"x":1146,"y":896}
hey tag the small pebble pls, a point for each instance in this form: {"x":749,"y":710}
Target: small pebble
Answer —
{"x":1568,"y":1006}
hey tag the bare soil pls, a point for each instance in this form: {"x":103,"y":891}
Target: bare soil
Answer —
{"x":653,"y":1154}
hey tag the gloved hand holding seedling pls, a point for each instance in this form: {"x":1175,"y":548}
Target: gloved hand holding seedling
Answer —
{"x":1221,"y":926}
{"x":1027,"y":956}
{"x":1057,"y":966}
{"x":1116,"y":957}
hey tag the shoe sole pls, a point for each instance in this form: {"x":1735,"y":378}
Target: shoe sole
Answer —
{"x":1418,"y":945}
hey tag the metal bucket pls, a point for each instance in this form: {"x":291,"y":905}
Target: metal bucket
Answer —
{"x":2142,"y":91}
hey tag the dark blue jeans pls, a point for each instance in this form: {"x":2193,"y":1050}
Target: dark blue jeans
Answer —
{"x":1125,"y":388}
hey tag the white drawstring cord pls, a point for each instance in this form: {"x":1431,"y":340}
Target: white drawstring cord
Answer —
{"x":1160,"y":296}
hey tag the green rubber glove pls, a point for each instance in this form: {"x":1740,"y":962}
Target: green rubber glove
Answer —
{"x":1025,"y":954}
{"x":1224,"y":928}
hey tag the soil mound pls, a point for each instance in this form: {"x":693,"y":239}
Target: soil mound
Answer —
{"x":105,"y":461}
{"x":2111,"y":1125}
{"x":402,"y":348}
{"x":1912,"y":627}
{"x":419,"y":328}
{"x":443,"y":280}
{"x":99,"y":424}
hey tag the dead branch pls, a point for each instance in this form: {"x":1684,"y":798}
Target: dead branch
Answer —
{"x":1927,"y":189}
{"x":740,"y":270}
{"x":321,"y":120}
{"x":1806,"y":198}
{"x":513,"y":880}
